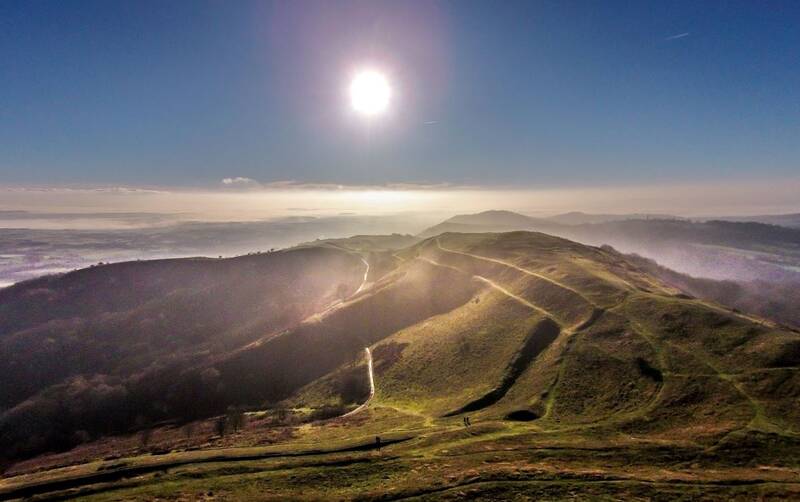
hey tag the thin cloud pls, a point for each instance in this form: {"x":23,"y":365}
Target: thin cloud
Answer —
{"x":679,"y":35}
{"x":288,"y":185}
{"x":240,"y":182}
{"x":79,"y":190}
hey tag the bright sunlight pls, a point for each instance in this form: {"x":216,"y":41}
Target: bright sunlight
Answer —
{"x":370,"y":93}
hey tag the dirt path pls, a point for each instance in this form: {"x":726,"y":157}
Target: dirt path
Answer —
{"x":338,"y":303}
{"x":490,"y":283}
{"x":515,"y":267}
{"x":371,"y":385}
{"x":317,"y":316}
{"x":579,"y":326}
{"x":364,"y":280}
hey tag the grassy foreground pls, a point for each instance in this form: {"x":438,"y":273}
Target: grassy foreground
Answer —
{"x":435,"y":460}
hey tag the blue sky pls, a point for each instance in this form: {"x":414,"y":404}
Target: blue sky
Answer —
{"x":487,"y":93}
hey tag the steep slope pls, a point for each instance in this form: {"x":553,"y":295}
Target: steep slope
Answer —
{"x":272,"y":370}
{"x":123,"y":317}
{"x":775,"y":300}
{"x":236,"y":351}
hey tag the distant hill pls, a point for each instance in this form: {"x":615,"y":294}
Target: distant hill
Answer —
{"x":494,"y":217}
{"x":489,"y":221}
{"x":497,"y":220}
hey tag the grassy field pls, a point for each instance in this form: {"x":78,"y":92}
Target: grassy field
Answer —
{"x":438,"y":459}
{"x":582,"y":378}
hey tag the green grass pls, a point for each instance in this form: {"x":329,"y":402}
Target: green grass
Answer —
{"x":491,"y":460}
{"x":643,"y":394}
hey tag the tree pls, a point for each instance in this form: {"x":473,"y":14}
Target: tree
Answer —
{"x":235,"y":418}
{"x":221,"y":425}
{"x":353,"y":387}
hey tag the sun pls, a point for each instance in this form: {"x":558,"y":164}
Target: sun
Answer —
{"x":370,"y":93}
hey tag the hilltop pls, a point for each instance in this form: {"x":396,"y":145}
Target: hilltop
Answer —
{"x":714,"y":249}
{"x":570,"y":361}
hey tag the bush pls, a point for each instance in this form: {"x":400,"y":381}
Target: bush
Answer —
{"x":353,"y":386}
{"x":328,"y":412}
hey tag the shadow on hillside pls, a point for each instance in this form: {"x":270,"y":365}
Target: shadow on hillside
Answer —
{"x":540,"y":337}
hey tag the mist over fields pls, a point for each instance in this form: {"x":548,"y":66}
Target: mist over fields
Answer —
{"x":54,"y":229}
{"x":30,"y":252}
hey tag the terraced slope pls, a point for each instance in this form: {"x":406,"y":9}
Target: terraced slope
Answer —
{"x":568,"y":336}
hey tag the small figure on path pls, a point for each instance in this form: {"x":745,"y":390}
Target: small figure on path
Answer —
{"x":378,"y":442}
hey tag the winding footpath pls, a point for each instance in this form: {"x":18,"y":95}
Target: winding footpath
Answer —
{"x":338,"y":303}
{"x":364,"y":280}
{"x":371,"y":385}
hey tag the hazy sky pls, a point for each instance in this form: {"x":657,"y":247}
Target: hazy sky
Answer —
{"x":523,"y":94}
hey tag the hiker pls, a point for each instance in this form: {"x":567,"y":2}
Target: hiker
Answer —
{"x":378,"y":442}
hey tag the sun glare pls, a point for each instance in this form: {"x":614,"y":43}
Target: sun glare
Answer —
{"x":370,"y":93}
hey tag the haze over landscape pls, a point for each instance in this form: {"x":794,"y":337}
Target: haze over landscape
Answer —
{"x":399,"y":250}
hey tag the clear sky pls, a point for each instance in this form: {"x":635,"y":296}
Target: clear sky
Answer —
{"x":531,"y":93}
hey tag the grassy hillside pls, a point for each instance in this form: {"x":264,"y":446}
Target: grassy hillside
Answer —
{"x":102,"y":349}
{"x":662,"y":361}
{"x":582,"y":376}
{"x":713,"y":249}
